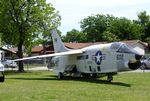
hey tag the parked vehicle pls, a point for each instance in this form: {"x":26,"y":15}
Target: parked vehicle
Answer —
{"x":9,"y":64}
{"x":145,"y":63}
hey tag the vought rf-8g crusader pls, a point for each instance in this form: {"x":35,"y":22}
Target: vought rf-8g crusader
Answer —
{"x":94,"y":61}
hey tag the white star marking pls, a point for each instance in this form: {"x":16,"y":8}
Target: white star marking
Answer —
{"x":98,"y":57}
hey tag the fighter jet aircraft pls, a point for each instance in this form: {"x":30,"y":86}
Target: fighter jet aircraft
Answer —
{"x":92,"y":61}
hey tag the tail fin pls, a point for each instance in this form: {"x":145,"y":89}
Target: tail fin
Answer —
{"x":57,"y":43}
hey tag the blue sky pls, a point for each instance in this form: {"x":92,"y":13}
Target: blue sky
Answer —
{"x":73,"y":11}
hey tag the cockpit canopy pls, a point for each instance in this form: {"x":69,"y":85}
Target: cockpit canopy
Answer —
{"x":115,"y":46}
{"x":122,"y":48}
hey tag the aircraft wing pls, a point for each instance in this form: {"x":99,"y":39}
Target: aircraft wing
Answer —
{"x":71,"y":52}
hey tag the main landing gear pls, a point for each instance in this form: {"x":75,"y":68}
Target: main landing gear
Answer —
{"x":109,"y":77}
{"x":2,"y":78}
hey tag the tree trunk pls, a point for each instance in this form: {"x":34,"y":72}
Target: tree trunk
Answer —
{"x":44,"y":52}
{"x":20,"y":55}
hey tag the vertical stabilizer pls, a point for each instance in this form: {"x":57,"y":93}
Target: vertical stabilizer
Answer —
{"x":57,"y":43}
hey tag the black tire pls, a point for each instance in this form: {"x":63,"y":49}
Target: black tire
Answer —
{"x":2,"y":79}
{"x":60,"y":75}
{"x":109,"y":77}
{"x":94,"y":75}
{"x":85,"y":75}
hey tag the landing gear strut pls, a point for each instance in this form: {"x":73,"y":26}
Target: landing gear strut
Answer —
{"x":109,"y":77}
{"x":2,"y":78}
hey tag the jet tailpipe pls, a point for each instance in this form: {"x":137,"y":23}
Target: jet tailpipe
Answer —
{"x":133,"y":65}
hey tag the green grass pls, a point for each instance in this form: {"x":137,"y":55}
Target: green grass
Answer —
{"x":44,"y":86}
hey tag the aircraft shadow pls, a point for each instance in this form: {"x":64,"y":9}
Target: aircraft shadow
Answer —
{"x":97,"y":81}
{"x":91,"y":80}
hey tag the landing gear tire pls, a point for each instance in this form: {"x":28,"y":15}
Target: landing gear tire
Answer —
{"x":60,"y":75}
{"x":94,"y":75}
{"x":109,"y":77}
{"x":2,"y":79}
{"x":85,"y":75}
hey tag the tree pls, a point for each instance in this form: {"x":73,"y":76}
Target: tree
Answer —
{"x":21,"y":21}
{"x":95,"y":25}
{"x":110,"y":28}
{"x":125,"y":29}
{"x":109,"y":37}
{"x":75,"y":36}
{"x":144,"y":20}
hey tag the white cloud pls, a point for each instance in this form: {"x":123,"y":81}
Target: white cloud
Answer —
{"x":72,"y":11}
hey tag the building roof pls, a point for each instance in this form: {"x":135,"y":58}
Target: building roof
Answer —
{"x":40,"y":49}
{"x":7,"y":50}
{"x":37,"y":49}
{"x":134,"y":42}
{"x":75,"y":45}
{"x":81,"y":45}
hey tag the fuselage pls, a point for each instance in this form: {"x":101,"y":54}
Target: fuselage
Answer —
{"x":102,"y":58}
{"x":90,"y":61}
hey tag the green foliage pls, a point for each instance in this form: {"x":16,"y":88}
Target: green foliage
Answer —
{"x":125,"y":29}
{"x":75,"y":36}
{"x":94,"y":26}
{"x":109,"y":37}
{"x":21,"y":21}
{"x":44,"y":86}
{"x":143,"y":18}
{"x":110,"y":28}
{"x":144,"y":21}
